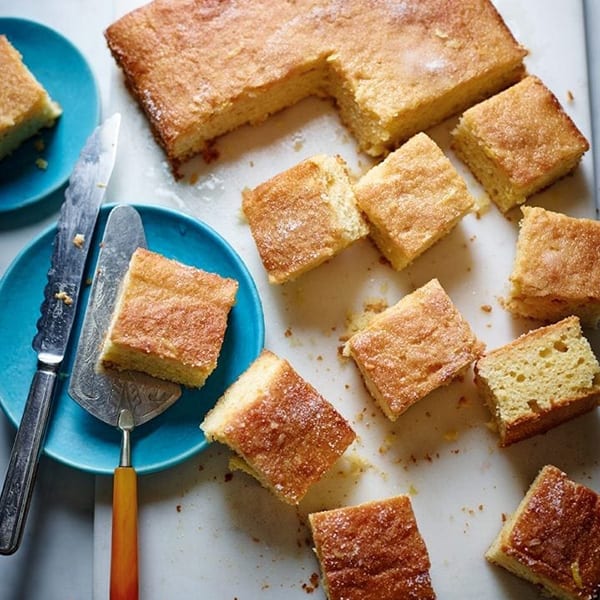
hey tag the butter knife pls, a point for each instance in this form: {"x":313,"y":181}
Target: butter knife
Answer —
{"x":75,"y":228}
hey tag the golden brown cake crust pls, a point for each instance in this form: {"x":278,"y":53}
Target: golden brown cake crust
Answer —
{"x":556,"y":534}
{"x":288,"y":434}
{"x":414,"y":347}
{"x":294,"y":219}
{"x":19,"y":90}
{"x":172,"y":312}
{"x":412,"y":198}
{"x":527,"y":132}
{"x":192,"y":64}
{"x":372,"y":551}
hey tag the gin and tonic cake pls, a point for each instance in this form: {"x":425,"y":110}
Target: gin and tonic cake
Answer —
{"x":518,"y":142}
{"x":372,"y":551}
{"x":539,"y":380}
{"x":284,"y":433}
{"x":412,"y":199}
{"x":25,"y":106}
{"x":553,"y":538}
{"x":393,"y":68}
{"x":556,"y":272}
{"x":169,"y":320}
{"x":410,"y":349}
{"x":303,"y":216}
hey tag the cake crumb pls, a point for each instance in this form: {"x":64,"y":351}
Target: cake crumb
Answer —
{"x":64,"y":297}
{"x":42,"y":164}
{"x":570,"y":96}
{"x":486,"y":308}
{"x":79,"y":240}
{"x":39,"y":144}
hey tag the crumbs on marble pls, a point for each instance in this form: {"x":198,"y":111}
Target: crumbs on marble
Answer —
{"x":312,"y":585}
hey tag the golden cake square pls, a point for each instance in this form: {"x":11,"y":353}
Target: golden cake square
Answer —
{"x":25,"y":106}
{"x":541,"y":379}
{"x":553,"y":538}
{"x":410,"y":349}
{"x":283,"y":431}
{"x":372,"y":551}
{"x":412,"y":199}
{"x":556,"y":272}
{"x":169,"y":320}
{"x":303,"y":216}
{"x":518,"y":142}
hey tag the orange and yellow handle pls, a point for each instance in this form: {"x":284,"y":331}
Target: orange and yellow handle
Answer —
{"x":124,"y":550}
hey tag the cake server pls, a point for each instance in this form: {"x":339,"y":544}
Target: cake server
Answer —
{"x":120,"y":399}
{"x":75,"y":228}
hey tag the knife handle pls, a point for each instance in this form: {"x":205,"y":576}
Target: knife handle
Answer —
{"x":124,"y":546}
{"x":24,"y":458}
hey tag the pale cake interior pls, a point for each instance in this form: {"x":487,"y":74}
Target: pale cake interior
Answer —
{"x":539,"y":380}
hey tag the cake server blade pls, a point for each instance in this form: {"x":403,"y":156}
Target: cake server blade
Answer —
{"x":122,"y":399}
{"x":105,"y":393}
{"x":75,"y":227}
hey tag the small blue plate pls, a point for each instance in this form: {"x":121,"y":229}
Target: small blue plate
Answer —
{"x":65,"y":74}
{"x":75,"y":437}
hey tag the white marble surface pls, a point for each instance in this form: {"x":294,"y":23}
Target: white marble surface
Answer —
{"x":204,"y":535}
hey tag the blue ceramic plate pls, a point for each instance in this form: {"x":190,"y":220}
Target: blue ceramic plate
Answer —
{"x":65,"y":74}
{"x":74,"y":436}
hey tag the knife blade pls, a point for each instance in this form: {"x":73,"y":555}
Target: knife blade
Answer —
{"x":75,"y":228}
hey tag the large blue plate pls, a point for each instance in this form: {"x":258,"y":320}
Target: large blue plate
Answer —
{"x":75,"y":437}
{"x":63,"y":71}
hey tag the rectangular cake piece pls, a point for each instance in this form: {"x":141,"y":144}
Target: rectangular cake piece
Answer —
{"x":303,"y":216}
{"x":412,"y":199}
{"x":394,"y":68}
{"x":556,"y":271}
{"x":169,"y":320}
{"x":539,"y":380}
{"x":553,"y":538}
{"x":518,"y":142}
{"x":282,"y":430}
{"x":410,"y":349}
{"x":25,"y":106}
{"x":372,"y":551}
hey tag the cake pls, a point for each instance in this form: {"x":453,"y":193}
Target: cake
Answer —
{"x":556,"y":270}
{"x":169,"y":320}
{"x":553,"y":538}
{"x":25,"y":106}
{"x":412,"y":348}
{"x":372,"y":551}
{"x":539,"y":380}
{"x":200,"y":69}
{"x":412,"y":199}
{"x":283,"y":432}
{"x":518,"y":142}
{"x":303,"y":216}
